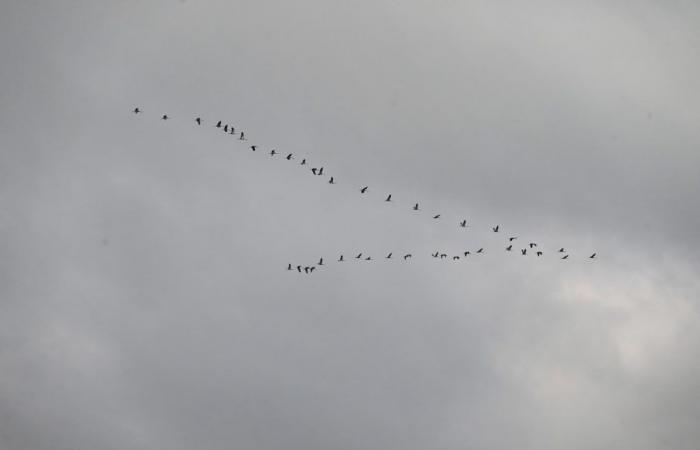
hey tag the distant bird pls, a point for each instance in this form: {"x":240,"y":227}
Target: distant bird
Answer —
{"x":313,"y":170}
{"x":218,"y":124}
{"x":436,"y":254}
{"x":226,"y":128}
{"x":253,"y":147}
{"x":415,"y":207}
{"x":242,"y":138}
{"x":467,"y":253}
{"x":233,"y":131}
{"x":273,"y":152}
{"x":320,"y":262}
{"x":312,"y":268}
{"x":389,"y":256}
{"x":165,"y":117}
{"x":289,"y":157}
{"x":592,"y":256}
{"x":539,"y":254}
{"x":463,"y":223}
{"x":532,"y":244}
{"x":331,"y":181}
{"x":443,"y":255}
{"x":306,"y":269}
{"x":511,"y":239}
{"x":436,"y":216}
{"x":364,"y":189}
{"x":561,"y":250}
{"x":289,"y":267}
{"x":341,"y":259}
{"x":481,"y":250}
{"x":320,"y":171}
{"x":299,"y":269}
{"x":388,"y":199}
{"x":495,"y":229}
{"x":405,"y":257}
{"x":137,"y":110}
{"x":565,"y":256}
{"x":303,"y":162}
{"x":524,"y":251}
{"x":369,"y":258}
{"x":510,"y":247}
{"x":358,"y":256}
{"x":198,"y":120}
{"x":455,"y":258}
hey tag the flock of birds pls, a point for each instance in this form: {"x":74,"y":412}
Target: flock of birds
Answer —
{"x":318,"y":171}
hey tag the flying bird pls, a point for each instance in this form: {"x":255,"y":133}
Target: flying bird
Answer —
{"x":565,"y":256}
{"x":289,"y":267}
{"x":218,"y":124}
{"x":495,"y":229}
{"x":306,"y":269}
{"x":455,"y":258}
{"x":561,"y":250}
{"x":467,"y":253}
{"x":341,"y":259}
{"x":242,"y":138}
{"x":364,"y":189}
{"x":312,"y":268}
{"x":436,"y":254}
{"x":358,"y":256}
{"x":299,"y":269}
{"x":198,"y":120}
{"x":233,"y":131}
{"x":369,"y":258}
{"x":137,"y":110}
{"x":539,"y":253}
{"x":389,"y":256}
{"x":253,"y":147}
{"x":405,"y":257}
{"x":511,"y":239}
{"x":524,"y":251}
{"x":331,"y":181}
{"x":226,"y":128}
{"x":443,"y":255}
{"x":415,"y":207}
{"x":165,"y":117}
{"x":320,"y":262}
{"x":388,"y":199}
{"x":313,"y":170}
{"x":481,"y":250}
{"x":273,"y":152}
{"x":510,"y":247}
{"x":303,"y":162}
{"x":592,"y":256}
{"x":320,"y":171}
{"x":289,"y":157}
{"x":532,"y":244}
{"x":463,"y":223}
{"x":436,"y":216}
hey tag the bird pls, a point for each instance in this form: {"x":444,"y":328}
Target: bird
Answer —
{"x":299,"y":269}
{"x":369,"y":258}
{"x":405,"y":257}
{"x":389,"y":256}
{"x":388,"y":199}
{"x":467,"y":253}
{"x":306,"y":269}
{"x":320,"y":171}
{"x":481,"y":250}
{"x":242,"y":138}
{"x":312,"y":268}
{"x":289,"y":267}
{"x":443,"y":255}
{"x":463,"y":223}
{"x":313,"y":170}
{"x":532,"y":244}
{"x":358,"y":256}
{"x":341,"y":259}
{"x":523,"y":251}
{"x":320,"y":262}
{"x":289,"y":157}
{"x":510,"y":247}
{"x":253,"y":147}
{"x":415,"y":207}
{"x":364,"y":189}
{"x":436,"y":216}
{"x":165,"y":117}
{"x":137,"y":110}
{"x":539,"y":253}
{"x":592,"y":256}
{"x":436,"y":254}
{"x":226,"y":128}
{"x":561,"y":250}
{"x":303,"y":162}
{"x":218,"y":124}
{"x":331,"y":181}
{"x":198,"y":120}
{"x":273,"y":152}
{"x":511,"y":239}
{"x":565,"y":256}
{"x":455,"y":258}
{"x":495,"y":229}
{"x":233,"y":131}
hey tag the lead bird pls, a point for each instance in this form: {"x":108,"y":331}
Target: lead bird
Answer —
{"x":331,"y":181}
{"x":415,"y":207}
{"x":405,"y":257}
{"x":495,"y":229}
{"x":198,"y":120}
{"x":388,"y":199}
{"x":137,"y":110}
{"x":463,"y":223}
{"x":364,"y":189}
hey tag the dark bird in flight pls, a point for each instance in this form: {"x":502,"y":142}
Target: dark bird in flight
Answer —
{"x":405,"y":257}
{"x":389,"y":256}
{"x":341,"y":259}
{"x":463,"y":223}
{"x":539,"y":254}
{"x":467,"y":253}
{"x":388,"y":199}
{"x":273,"y":152}
{"x":511,"y":239}
{"x":455,"y":258}
{"x":253,"y":147}
{"x":233,"y":131}
{"x":331,"y":181}
{"x":510,"y":247}
{"x":313,"y":170}
{"x":532,"y":244}
{"x":306,"y":269}
{"x":303,"y":162}
{"x":524,"y":251}
{"x":320,"y":171}
{"x":565,"y":256}
{"x":369,"y":258}
{"x":242,"y":138}
{"x":415,"y":207}
{"x":312,"y":268}
{"x":436,"y":254}
{"x":320,"y":262}
{"x":592,"y":256}
{"x":436,"y":216}
{"x":364,"y":189}
{"x":289,"y":157}
{"x":561,"y":250}
{"x":289,"y":267}
{"x":443,"y":255}
{"x":495,"y":229}
{"x":226,"y":128}
{"x":481,"y":250}
{"x":358,"y":256}
{"x":136,"y":110}
{"x":165,"y":117}
{"x":198,"y":120}
{"x":218,"y":124}
{"x":299,"y":269}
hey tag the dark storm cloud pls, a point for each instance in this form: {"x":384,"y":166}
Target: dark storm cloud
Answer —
{"x":143,"y":298}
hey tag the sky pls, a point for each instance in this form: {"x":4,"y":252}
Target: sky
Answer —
{"x":144,"y":297}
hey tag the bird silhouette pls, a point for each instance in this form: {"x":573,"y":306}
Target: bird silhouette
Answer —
{"x":312,"y":268}
{"x":198,"y":120}
{"x":289,"y":267}
{"x":358,"y":256}
{"x":306,"y":269}
{"x":443,"y":255}
{"x":565,"y":256}
{"x":242,"y":138}
{"x":495,"y":229}
{"x":415,"y":207}
{"x":218,"y":124}
{"x":233,"y":131}
{"x":303,"y":162}
{"x":510,"y":247}
{"x":523,"y":251}
{"x":320,"y":262}
{"x":331,"y":181}
{"x":341,"y":259}
{"x":364,"y":189}
{"x":511,"y":239}
{"x":463,"y":223}
{"x":165,"y":117}
{"x":455,"y":258}
{"x":405,"y":257}
{"x":389,"y":256}
{"x":561,"y":250}
{"x":436,"y":216}
{"x":592,"y":256}
{"x":289,"y":157}
{"x":388,"y":199}
{"x":253,"y":147}
{"x":320,"y":171}
{"x":532,"y":244}
{"x":226,"y":128}
{"x":539,"y":253}
{"x":299,"y":269}
{"x":313,"y":170}
{"x":467,"y":253}
{"x":436,"y":254}
{"x":481,"y":250}
{"x":273,"y":152}
{"x":369,"y":258}
{"x":137,"y":110}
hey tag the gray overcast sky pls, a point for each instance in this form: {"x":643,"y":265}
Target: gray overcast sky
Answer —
{"x":143,"y":298}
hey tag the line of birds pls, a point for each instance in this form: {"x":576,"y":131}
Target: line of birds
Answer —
{"x":318,"y":171}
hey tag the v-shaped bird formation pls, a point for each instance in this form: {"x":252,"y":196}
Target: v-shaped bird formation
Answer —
{"x":229,"y":129}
